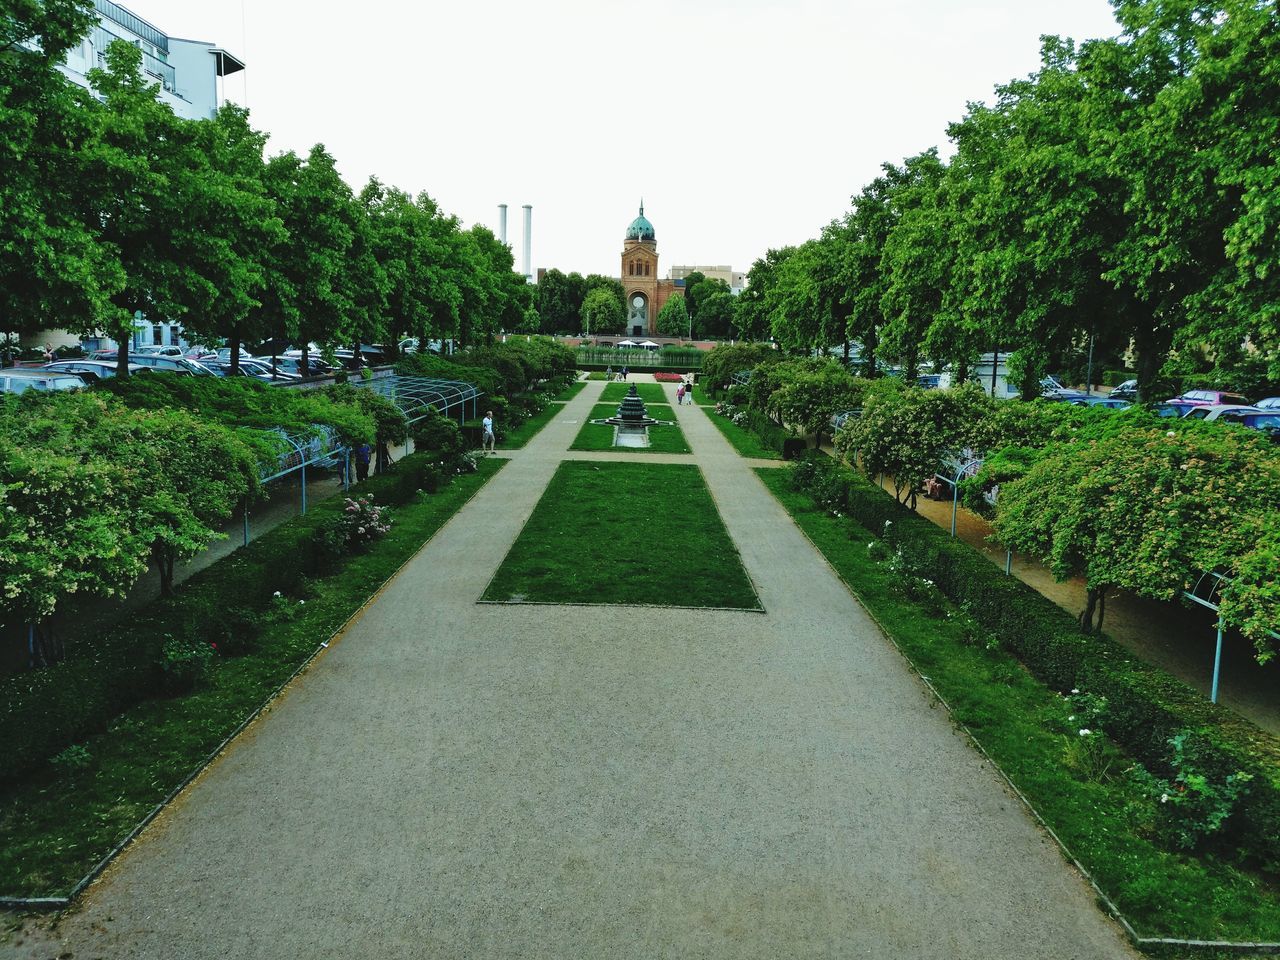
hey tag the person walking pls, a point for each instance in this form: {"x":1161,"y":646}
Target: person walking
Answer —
{"x":608,"y":373}
{"x":680,"y":395}
{"x":362,"y":462}
{"x":624,"y":373}
{"x":489,"y":441}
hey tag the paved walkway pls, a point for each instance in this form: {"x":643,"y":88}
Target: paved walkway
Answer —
{"x":463,"y":780}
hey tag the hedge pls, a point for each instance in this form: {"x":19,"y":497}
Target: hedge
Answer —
{"x":1113,"y":378}
{"x":43,"y":711}
{"x":1146,"y":706}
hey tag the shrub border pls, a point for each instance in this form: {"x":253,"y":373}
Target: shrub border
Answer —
{"x":61,"y":903}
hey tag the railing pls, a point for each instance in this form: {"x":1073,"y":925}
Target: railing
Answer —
{"x":154,"y":66}
{"x":118,"y":14}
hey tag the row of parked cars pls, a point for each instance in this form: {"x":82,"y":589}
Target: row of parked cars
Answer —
{"x":102,"y":364}
{"x":1214,"y":405}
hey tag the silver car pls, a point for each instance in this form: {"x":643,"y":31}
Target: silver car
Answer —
{"x":22,"y":379}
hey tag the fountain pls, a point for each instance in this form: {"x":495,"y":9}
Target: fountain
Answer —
{"x":632,"y":422}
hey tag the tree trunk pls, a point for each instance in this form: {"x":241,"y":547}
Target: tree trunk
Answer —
{"x":164,"y":563}
{"x":1086,"y":617}
{"x":122,"y":358}
{"x":234,"y":343}
{"x":1102,"y":609}
{"x":869,"y":345}
{"x":304,"y":365}
{"x":1151,"y":356}
{"x":961,"y":374}
{"x":846,"y":353}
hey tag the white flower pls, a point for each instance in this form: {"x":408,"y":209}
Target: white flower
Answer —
{"x":1072,"y":717}
{"x":1085,"y":731}
{"x":276,"y":594}
{"x":1164,"y":798}
{"x":301,"y":602}
{"x":1075,"y":689}
{"x":1171,"y":434}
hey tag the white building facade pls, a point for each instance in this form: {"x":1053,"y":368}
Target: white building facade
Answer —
{"x":187,"y":71}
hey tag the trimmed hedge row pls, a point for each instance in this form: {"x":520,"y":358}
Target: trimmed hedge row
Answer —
{"x":43,"y":711}
{"x":1145,"y":706}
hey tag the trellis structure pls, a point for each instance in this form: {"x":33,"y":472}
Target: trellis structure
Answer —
{"x":322,"y":447}
{"x":954,"y":468}
{"x":1207,"y":592}
{"x":416,"y":397}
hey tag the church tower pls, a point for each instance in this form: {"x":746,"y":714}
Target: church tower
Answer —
{"x":644,"y":293}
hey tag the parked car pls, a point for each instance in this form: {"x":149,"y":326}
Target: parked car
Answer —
{"x":1051,"y":389}
{"x":158,"y":350}
{"x":224,"y":354}
{"x":1206,"y":397}
{"x":1110,"y":403}
{"x":249,"y":367}
{"x":22,"y":379}
{"x":1268,"y":421}
{"x":1269,"y":403}
{"x":169,"y":364}
{"x":1172,"y":408}
{"x":90,"y":371}
{"x":292,"y":363}
{"x":1215,"y":411}
{"x":1125,"y":391}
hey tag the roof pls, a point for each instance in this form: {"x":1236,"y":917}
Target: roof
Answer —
{"x":641,"y":228}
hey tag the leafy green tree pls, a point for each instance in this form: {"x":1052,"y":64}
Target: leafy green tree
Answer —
{"x":132,"y":167}
{"x":751,"y":307}
{"x":51,"y":264}
{"x":560,"y":298}
{"x":673,"y":318}
{"x":710,"y":306}
{"x":602,"y":312}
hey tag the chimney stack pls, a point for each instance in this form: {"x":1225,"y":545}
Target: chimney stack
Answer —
{"x":502,"y":223}
{"x":528,"y":241}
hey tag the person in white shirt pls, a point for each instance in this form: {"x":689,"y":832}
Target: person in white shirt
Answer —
{"x":488,"y":440}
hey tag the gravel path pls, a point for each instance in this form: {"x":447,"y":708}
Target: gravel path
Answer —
{"x":462,"y":780}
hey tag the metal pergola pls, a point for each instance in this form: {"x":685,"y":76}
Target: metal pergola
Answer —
{"x":416,"y":397}
{"x":1207,"y":592}
{"x":322,"y":447}
{"x":959,"y":466}
{"x":741,"y":378}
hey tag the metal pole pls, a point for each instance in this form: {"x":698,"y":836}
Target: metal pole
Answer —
{"x":1008,"y":563}
{"x":955,"y":505}
{"x":346,"y":470}
{"x":1217,"y":664}
{"x":304,"y":489}
{"x":246,"y":521}
{"x":1088,"y":377}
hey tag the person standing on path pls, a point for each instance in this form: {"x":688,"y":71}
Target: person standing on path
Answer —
{"x":624,"y":373}
{"x":680,"y":395}
{"x":488,"y":442}
{"x":362,"y":462}
{"x":608,"y":373}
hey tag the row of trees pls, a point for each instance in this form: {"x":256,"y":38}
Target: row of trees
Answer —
{"x":1122,"y":195}
{"x":112,"y":207}
{"x":569,"y":303}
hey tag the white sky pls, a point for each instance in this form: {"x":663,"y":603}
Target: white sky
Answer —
{"x":745,"y":124}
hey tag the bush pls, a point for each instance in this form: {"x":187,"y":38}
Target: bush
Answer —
{"x":1146,"y":707}
{"x":184,"y":664}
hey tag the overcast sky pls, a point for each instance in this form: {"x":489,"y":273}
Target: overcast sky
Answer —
{"x":745,"y":124}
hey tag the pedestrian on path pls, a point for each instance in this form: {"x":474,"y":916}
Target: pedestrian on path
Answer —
{"x":362,"y":462}
{"x":680,"y":395}
{"x":608,"y":373}
{"x":489,"y":441}
{"x":624,"y":373}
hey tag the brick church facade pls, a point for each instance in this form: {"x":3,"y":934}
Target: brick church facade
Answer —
{"x":644,"y":292}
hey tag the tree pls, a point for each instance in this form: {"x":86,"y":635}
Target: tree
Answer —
{"x":673,"y":318}
{"x":560,"y":298}
{"x":751,"y":308}
{"x":51,"y":264}
{"x":133,"y":167}
{"x":710,"y":305}
{"x":602,"y":312}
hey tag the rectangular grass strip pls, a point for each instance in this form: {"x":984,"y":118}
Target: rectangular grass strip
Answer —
{"x":747,"y":443}
{"x":627,"y":533}
{"x":529,"y":429}
{"x":58,"y":823}
{"x":1027,"y":729}
{"x":648,"y":392}
{"x":662,"y":439}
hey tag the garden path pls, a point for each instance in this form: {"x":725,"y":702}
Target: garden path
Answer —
{"x":455,"y":779}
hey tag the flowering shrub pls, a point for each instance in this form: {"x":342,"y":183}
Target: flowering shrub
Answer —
{"x":185,"y":663}
{"x":1192,"y":806}
{"x":363,"y":521}
{"x":668,"y":377}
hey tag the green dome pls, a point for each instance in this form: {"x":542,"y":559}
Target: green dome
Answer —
{"x":641,"y":228}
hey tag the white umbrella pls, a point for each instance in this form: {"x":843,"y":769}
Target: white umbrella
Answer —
{"x":646,"y":344}
{"x":626,"y":343}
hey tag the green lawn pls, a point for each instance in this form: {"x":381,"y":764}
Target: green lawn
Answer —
{"x":649,"y":393}
{"x":662,"y":439}
{"x":525,"y":432}
{"x":1027,"y":729}
{"x":744,"y":441}
{"x":602,"y":528}
{"x":701,"y":397}
{"x":57,"y":826}
{"x":571,"y":391}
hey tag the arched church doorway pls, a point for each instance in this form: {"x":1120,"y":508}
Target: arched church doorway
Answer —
{"x":637,"y":314}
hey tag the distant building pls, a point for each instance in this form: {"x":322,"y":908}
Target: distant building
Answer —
{"x":186,"y":70}
{"x":644,"y":292}
{"x":736,"y":279}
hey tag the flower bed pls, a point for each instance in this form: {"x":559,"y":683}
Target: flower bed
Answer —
{"x":669,"y":377}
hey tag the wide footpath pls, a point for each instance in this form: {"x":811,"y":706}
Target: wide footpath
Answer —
{"x":455,"y":779}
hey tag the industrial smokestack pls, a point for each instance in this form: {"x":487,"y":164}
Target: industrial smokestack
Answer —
{"x":502,"y":223}
{"x":528,"y":240}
